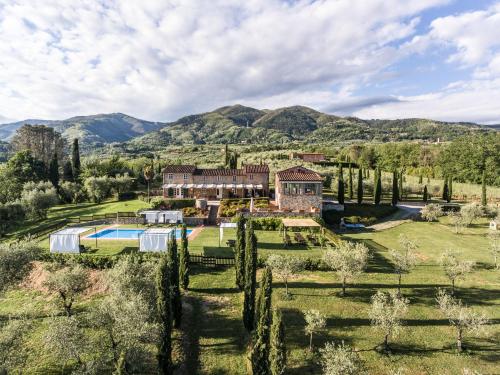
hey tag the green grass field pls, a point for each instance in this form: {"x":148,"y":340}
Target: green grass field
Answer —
{"x":217,"y":341}
{"x":426,"y":345}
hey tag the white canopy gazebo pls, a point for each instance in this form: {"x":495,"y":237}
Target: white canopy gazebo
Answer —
{"x":162,"y":217}
{"x":155,"y":239}
{"x":221,"y":229}
{"x":66,"y":240}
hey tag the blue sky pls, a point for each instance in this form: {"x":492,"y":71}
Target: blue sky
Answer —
{"x":160,"y":60}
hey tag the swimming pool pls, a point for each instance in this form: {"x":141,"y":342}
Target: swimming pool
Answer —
{"x":127,"y":234}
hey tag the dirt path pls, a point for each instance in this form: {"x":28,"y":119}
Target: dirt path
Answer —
{"x":406,"y":212}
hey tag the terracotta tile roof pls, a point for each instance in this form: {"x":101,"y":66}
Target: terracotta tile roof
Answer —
{"x":298,"y":174}
{"x":179,"y":169}
{"x":256,"y":168}
{"x":219,"y":172}
{"x":216,"y":171}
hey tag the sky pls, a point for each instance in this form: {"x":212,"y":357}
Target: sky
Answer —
{"x":162,"y":59}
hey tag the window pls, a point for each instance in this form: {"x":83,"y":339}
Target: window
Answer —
{"x":170,"y":176}
{"x":250,"y":176}
{"x":204,"y":178}
{"x":219,"y":178}
{"x":310,"y":189}
{"x":234,"y":178}
{"x":185,"y":176}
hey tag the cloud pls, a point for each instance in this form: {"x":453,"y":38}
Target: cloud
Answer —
{"x":162,"y":59}
{"x":472,"y":38}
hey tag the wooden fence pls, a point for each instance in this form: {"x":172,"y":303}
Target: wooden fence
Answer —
{"x":211,"y":261}
{"x":114,"y":215}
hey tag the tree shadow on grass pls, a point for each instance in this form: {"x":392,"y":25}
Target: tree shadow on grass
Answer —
{"x":280,"y":246}
{"x":129,"y":250}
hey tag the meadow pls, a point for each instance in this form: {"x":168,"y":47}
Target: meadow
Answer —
{"x":214,"y":341}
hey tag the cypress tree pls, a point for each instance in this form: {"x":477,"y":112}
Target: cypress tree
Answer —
{"x":351,"y":188}
{"x":173,"y":259}
{"x":277,"y":355}
{"x":395,"y":190}
{"x":450,"y":188}
{"x":426,"y":194}
{"x":261,"y":349}
{"x":75,"y":160}
{"x":420,"y":179}
{"x":377,"y":194}
{"x":445,"y":194}
{"x":67,"y":171}
{"x":54,"y":171}
{"x":164,"y":316}
{"x":239,"y":253}
{"x":340,"y":190}
{"x":250,"y":281}
{"x":360,"y":185}
{"x":184,"y":260}
{"x":400,"y":187}
{"x":483,"y":189}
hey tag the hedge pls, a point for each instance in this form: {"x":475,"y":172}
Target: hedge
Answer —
{"x":172,"y":204}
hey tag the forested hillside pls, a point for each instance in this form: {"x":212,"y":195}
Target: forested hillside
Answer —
{"x":240,"y":124}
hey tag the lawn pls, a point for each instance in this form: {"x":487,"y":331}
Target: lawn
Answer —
{"x":426,"y":345}
{"x":82,"y":209}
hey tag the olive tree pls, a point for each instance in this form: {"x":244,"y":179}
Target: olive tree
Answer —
{"x":386,"y":313}
{"x":348,"y":260}
{"x":67,"y":282}
{"x":471,"y":212}
{"x":405,"y":259}
{"x":13,"y":351}
{"x":457,"y":220}
{"x":284,"y":267}
{"x":315,"y":321}
{"x":462,"y":318}
{"x":15,"y":261}
{"x":67,"y":341}
{"x":431,"y":212}
{"x":37,"y":198}
{"x":454,"y":268}
{"x":340,"y":359}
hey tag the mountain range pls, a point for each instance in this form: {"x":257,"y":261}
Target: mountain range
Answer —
{"x":240,"y":124}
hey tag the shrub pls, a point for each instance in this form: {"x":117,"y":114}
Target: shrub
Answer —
{"x":172,"y":204}
{"x":37,"y":198}
{"x":191,"y":212}
{"x":126,"y":196}
{"x":10,"y":215}
{"x":431,"y":212}
{"x":267,"y":223}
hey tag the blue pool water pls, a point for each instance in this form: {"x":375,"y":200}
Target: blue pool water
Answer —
{"x":127,"y":234}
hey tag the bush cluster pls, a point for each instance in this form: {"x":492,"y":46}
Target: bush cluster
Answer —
{"x":171,"y":204}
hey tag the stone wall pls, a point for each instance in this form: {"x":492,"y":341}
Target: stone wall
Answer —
{"x":195,"y":221}
{"x":300,"y":202}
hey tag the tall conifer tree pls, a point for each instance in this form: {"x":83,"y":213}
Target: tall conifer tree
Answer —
{"x":377,"y":194}
{"x":483,"y":189}
{"x":239,"y":253}
{"x":54,"y":171}
{"x":426,"y":194}
{"x":184,"y":260}
{"x":75,"y":160}
{"x":360,"y":186}
{"x":277,"y":356}
{"x":395,"y":190}
{"x":340,"y":189}
{"x":164,"y":308}
{"x":250,"y":278}
{"x":173,"y":259}
{"x":351,"y":187}
{"x":261,"y":348}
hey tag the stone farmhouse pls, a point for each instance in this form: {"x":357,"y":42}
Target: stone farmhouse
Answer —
{"x":189,"y":181}
{"x":299,"y":189}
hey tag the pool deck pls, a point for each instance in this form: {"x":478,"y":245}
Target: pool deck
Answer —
{"x":194,"y":233}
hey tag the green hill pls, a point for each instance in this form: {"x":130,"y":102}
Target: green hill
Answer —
{"x":240,"y":124}
{"x":93,"y":131}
